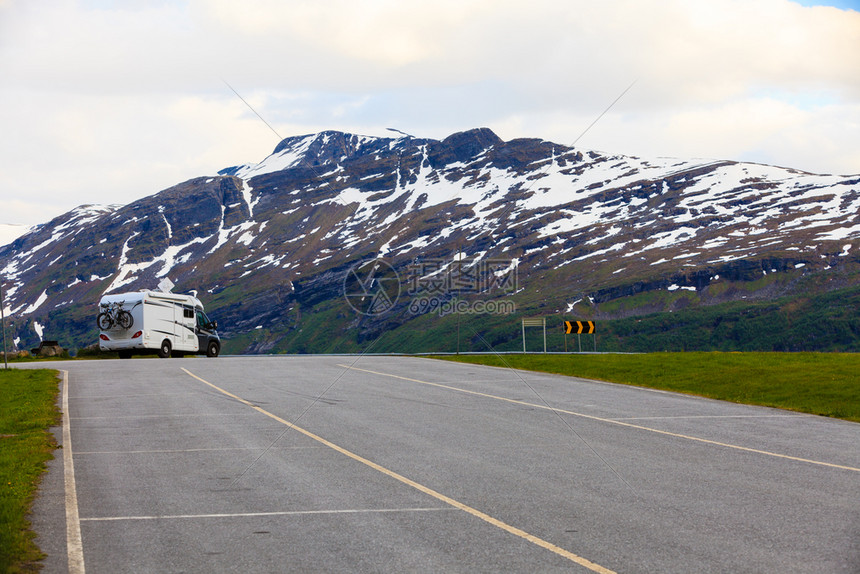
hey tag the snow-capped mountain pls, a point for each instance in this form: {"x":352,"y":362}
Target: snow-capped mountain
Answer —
{"x":269,"y":245}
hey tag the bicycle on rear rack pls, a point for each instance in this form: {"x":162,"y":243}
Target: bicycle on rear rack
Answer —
{"x":113,"y":314}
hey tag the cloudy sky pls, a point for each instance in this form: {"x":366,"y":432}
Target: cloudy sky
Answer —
{"x":109,"y":101}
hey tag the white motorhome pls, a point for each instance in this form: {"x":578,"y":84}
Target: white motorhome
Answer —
{"x":145,"y":321}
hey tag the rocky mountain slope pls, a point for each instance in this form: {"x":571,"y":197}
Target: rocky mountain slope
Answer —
{"x":276,"y":248}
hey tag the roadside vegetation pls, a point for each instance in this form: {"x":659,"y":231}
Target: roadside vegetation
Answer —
{"x":27,"y":410}
{"x":826,"y":384}
{"x":28,"y":358}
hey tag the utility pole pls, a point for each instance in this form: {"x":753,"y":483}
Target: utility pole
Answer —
{"x":3,"y":323}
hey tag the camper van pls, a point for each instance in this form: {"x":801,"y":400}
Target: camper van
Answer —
{"x":150,"y":321}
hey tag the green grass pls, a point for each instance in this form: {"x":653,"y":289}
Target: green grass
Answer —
{"x":825,"y":384}
{"x":27,"y":410}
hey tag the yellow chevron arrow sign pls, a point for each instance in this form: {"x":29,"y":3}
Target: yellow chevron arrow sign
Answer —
{"x":579,"y":327}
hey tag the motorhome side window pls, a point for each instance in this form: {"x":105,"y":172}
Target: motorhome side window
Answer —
{"x":188,"y":313}
{"x":202,"y":320}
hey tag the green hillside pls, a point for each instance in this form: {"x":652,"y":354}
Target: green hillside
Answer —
{"x":829,"y":322}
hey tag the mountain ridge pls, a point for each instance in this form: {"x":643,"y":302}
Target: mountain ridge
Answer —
{"x":580,"y":224}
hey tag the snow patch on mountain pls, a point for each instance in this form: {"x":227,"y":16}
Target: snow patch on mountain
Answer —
{"x":124,"y":269}
{"x":38,"y":303}
{"x":286,"y":159}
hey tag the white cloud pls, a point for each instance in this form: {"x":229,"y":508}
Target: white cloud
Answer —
{"x":108,"y":103}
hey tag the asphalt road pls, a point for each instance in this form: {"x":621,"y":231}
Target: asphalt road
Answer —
{"x":393,"y":464}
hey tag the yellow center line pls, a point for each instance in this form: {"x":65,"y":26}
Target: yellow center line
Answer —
{"x":426,"y":490}
{"x":605,"y":420}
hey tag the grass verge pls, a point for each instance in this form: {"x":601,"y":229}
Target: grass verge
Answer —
{"x":27,"y":410}
{"x":825,"y":384}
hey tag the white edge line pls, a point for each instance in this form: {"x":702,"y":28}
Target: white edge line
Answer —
{"x":74,"y":545}
{"x":672,"y":417}
{"x":257,"y":514}
{"x":181,"y":450}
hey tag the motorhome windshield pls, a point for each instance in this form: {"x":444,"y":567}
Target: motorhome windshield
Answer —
{"x":202,"y":320}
